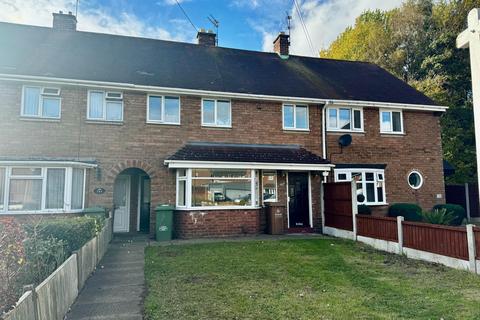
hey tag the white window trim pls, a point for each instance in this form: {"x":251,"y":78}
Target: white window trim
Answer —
{"x":188,"y":193}
{"x":276,"y":186}
{"x":421,"y":179}
{"x":162,"y":111}
{"x":214,"y":124}
{"x":294,"y":128}
{"x":363,"y":171}
{"x":352,"y":128}
{"x":402,"y":131}
{"x":104,"y":112}
{"x":43,"y":176}
{"x":40,"y":103}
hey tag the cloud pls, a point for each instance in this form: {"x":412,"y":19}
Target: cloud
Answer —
{"x":252,"y":4}
{"x":171,"y":2}
{"x":325,"y":20}
{"x":91,"y":17}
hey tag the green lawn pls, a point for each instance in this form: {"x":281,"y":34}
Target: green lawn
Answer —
{"x":302,"y":279}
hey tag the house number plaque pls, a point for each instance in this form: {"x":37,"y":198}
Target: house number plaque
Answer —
{"x":99,"y":191}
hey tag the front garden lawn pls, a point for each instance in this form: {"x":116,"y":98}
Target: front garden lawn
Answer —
{"x":302,"y":279}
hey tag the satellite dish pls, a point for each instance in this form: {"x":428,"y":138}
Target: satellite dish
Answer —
{"x":345,"y":140}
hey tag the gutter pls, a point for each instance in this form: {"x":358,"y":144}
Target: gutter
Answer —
{"x":218,"y":94}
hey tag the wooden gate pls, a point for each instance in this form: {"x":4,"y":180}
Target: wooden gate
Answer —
{"x":338,"y":205}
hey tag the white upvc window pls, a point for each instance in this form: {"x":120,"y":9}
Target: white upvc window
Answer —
{"x":370,"y":184}
{"x":269,"y":185}
{"x":295,"y":117}
{"x":35,"y":189}
{"x":163,"y":109}
{"x":216,"y":113}
{"x":344,"y":119}
{"x":105,"y":105}
{"x":41,"y":102}
{"x":217,"y":188}
{"x":391,"y":121}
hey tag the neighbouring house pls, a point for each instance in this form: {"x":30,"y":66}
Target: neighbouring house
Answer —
{"x":128,"y":123}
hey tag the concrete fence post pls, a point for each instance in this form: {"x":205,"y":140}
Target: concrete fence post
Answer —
{"x":400,"y":234}
{"x":471,"y":248}
{"x":354,"y":209}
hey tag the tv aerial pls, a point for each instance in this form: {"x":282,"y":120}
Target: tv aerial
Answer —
{"x":215,"y":24}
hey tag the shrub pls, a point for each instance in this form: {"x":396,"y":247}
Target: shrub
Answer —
{"x":438,"y":216}
{"x":456,"y":210}
{"x":364,"y":209}
{"x":12,"y":260}
{"x":74,"y":232}
{"x":410,"y":211}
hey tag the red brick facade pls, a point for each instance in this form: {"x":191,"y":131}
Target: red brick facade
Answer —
{"x":137,"y":144}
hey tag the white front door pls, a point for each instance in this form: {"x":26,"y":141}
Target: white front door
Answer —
{"x":121,"y":201}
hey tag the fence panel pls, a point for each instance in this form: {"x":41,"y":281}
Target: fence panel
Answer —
{"x":24,"y":309}
{"x":87,"y":261}
{"x":384,"y":228}
{"x":448,"y":241}
{"x":476,"y":232}
{"x":338,"y":205}
{"x":57,"y":293}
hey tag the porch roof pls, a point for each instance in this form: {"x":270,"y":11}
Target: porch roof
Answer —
{"x":255,"y":156}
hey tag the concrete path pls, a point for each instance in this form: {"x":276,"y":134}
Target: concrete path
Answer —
{"x":116,"y":290}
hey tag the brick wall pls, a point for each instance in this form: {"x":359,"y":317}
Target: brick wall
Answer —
{"x":217,"y":223}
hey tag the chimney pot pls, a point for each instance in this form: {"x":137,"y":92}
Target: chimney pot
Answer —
{"x":281,"y":44}
{"x":207,"y":38}
{"x":64,"y":22}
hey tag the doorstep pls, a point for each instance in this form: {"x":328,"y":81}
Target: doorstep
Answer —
{"x":300,"y":230}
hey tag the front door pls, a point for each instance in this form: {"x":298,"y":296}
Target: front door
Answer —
{"x":121,"y":202}
{"x":298,"y":204}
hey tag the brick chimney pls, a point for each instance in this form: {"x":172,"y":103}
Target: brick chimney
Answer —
{"x":207,"y":38}
{"x":281,"y":44}
{"x":64,"y":21}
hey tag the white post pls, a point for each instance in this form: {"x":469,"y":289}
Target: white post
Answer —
{"x":400,"y":234}
{"x":354,"y":209}
{"x":470,"y":38}
{"x":471,"y":248}
{"x":467,"y":201}
{"x":322,"y":204}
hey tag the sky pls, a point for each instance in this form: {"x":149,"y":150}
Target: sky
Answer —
{"x":244,"y":24}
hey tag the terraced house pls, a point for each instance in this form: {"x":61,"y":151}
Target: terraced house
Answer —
{"x":91,"y":119}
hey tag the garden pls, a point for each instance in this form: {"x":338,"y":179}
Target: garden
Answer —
{"x":32,"y":250}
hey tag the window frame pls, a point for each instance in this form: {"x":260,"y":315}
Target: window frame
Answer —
{"x":189,"y":189}
{"x":42,"y":94}
{"x":215,"y":123}
{"x":162,"y":111}
{"x":329,"y":128}
{"x":295,"y":105}
{"x":67,"y":196}
{"x":390,"y":111}
{"x":422,"y":180}
{"x":104,"y":109}
{"x":276,"y":185}
{"x":364,"y":171}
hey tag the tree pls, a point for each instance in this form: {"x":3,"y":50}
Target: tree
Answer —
{"x":416,"y":42}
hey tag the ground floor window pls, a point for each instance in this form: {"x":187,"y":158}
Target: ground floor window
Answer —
{"x":269,"y":183}
{"x":203,"y":188}
{"x":370,"y":184}
{"x":41,"y":189}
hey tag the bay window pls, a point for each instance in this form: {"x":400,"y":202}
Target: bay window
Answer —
{"x":344,"y":119}
{"x":217,"y":188}
{"x":370,"y":184}
{"x":40,"y":102}
{"x":41,"y":189}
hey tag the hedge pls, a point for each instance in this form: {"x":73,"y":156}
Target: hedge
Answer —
{"x":410,"y":211}
{"x":456,"y":210}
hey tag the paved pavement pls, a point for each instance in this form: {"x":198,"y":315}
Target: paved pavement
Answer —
{"x":117,"y":289}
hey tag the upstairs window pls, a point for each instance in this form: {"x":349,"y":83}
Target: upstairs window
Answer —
{"x":105,"y":106}
{"x":295,"y":117}
{"x":344,"y":119}
{"x":163,"y":109}
{"x":41,"y":102}
{"x":391,"y":121}
{"x":370,"y":184}
{"x":216,"y":113}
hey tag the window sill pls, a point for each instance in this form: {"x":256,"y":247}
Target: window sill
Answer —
{"x":374,"y":204}
{"x":296,"y":130}
{"x":392,"y":134}
{"x":26,"y":118}
{"x":164,"y":123}
{"x":346,"y":131}
{"x":113,"y":123}
{"x":204,"y":126}
{"x":216,"y":208}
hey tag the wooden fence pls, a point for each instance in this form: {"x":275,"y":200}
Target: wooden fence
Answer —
{"x":476,"y":232}
{"x":444,"y":240}
{"x":384,"y":228}
{"x":338,"y":205}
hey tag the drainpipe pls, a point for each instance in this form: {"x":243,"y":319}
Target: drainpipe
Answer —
{"x":324,"y":134}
